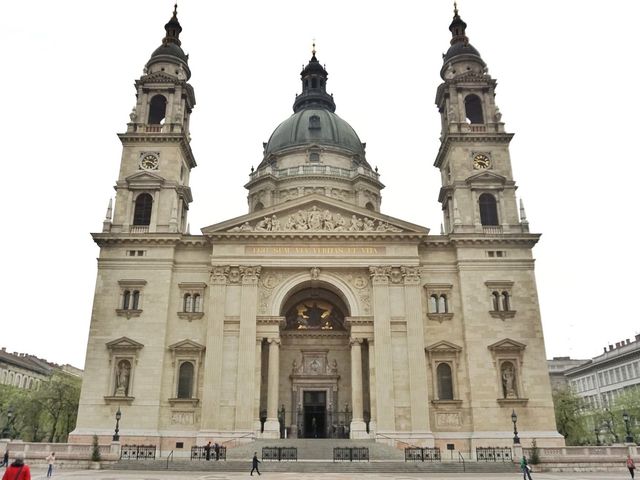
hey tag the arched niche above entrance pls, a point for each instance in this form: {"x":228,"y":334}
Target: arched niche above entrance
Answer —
{"x":324,"y":280}
{"x":313,"y":308}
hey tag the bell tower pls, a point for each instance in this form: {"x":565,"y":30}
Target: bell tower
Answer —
{"x":478,"y":190}
{"x":152,"y":190}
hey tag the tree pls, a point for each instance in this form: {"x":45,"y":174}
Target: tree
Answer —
{"x":59,"y":398}
{"x":570,"y":417}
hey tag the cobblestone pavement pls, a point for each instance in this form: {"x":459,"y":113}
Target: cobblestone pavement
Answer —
{"x":38,"y":473}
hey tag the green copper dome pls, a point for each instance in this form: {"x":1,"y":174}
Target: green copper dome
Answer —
{"x":314,"y":126}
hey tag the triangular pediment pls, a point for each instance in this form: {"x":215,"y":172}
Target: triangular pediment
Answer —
{"x":186,"y":345}
{"x":145,"y":179}
{"x":158,"y":77}
{"x":507,"y":345}
{"x":124,"y":343}
{"x":314,"y":214}
{"x":486,"y":177}
{"x":443,"y":347}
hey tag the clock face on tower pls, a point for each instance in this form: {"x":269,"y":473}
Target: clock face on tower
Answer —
{"x":481,"y":161}
{"x":149,"y":161}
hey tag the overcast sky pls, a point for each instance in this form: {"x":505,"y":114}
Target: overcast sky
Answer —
{"x":566,"y":88}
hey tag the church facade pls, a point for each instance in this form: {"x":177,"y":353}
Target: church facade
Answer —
{"x":316,"y":315}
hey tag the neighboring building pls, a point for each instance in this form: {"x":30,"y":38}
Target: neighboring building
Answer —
{"x":316,"y":312}
{"x":22,"y":370}
{"x":603,"y":378}
{"x":558,"y":366}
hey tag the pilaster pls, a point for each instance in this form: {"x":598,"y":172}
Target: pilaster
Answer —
{"x":272,"y":425}
{"x":415,"y":344}
{"x":246,"y":347}
{"x":358,"y":427}
{"x":384,"y":355}
{"x":212,"y":382}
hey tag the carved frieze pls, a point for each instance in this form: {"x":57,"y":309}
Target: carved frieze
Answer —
{"x":316,"y":220}
{"x":268,"y":282}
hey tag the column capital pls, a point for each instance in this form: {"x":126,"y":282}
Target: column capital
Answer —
{"x":250,"y":274}
{"x":380,"y":274}
{"x":273,"y":340}
{"x":355,"y":341}
{"x":411,"y":275}
{"x":218,"y":274}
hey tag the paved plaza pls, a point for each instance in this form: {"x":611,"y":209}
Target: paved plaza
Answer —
{"x":38,"y":473}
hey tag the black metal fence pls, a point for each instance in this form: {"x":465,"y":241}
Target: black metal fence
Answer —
{"x":350,"y":454}
{"x":138,"y":452}
{"x":280,"y":454}
{"x":416,"y":454}
{"x":493,"y":454}
{"x":200,"y":453}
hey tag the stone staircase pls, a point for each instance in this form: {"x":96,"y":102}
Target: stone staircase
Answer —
{"x":316,"y":456}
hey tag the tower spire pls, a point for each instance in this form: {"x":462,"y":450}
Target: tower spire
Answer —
{"x":458,"y":27}
{"x":173,"y":28}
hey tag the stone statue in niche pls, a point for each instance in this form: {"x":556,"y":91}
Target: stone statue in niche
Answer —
{"x":295,"y":368}
{"x":509,"y":380}
{"x":123,"y":373}
{"x":333,"y":368}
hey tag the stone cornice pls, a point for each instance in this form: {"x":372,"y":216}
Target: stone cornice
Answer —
{"x":104,"y":239}
{"x":180,"y":138}
{"x":295,"y":235}
{"x":451,"y":138}
{"x":471,"y":239}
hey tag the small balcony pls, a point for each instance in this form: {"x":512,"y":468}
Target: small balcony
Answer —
{"x":492,"y":229}
{"x":139,"y":229}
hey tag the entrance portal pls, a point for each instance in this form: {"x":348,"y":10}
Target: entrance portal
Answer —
{"x":314,"y":411}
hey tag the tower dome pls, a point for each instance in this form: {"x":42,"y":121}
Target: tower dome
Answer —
{"x":314,"y":151}
{"x":460,"y":52}
{"x":170,"y":51}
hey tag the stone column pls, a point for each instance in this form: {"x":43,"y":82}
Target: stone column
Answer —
{"x":415,"y":346}
{"x":372,"y":386}
{"x":385,"y":400}
{"x":257,"y":387}
{"x":212,"y":382}
{"x":358,"y":428}
{"x":247,"y":348}
{"x":272,"y":426}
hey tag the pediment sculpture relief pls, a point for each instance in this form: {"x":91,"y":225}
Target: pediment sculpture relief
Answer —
{"x":316,"y":220}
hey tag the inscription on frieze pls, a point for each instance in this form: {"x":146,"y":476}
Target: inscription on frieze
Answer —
{"x":316,"y":251}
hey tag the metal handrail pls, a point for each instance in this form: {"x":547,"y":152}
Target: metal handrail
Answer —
{"x":250,"y":434}
{"x":410,"y":445}
{"x":169,"y":457}
{"x":464,"y":467}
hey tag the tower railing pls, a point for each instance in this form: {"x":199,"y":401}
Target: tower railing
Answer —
{"x":314,"y":170}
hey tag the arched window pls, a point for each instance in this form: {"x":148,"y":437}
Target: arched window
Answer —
{"x":196,"y":303}
{"x":496,"y":301}
{"x":369,"y":206}
{"x":157,"y":110}
{"x":314,"y":83}
{"x":259,"y":206}
{"x":142,"y":212}
{"x":488,"y":209}
{"x":433,"y":304}
{"x":30,"y":385}
{"x":135,"y":300}
{"x":445,"y":382}
{"x":473,"y":109}
{"x":187,"y":302}
{"x":126,"y":298}
{"x":185,"y":380}
{"x":505,"y":301}
{"x":443,"y":306}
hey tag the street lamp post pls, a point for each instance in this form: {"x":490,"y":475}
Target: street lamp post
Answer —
{"x":514,"y":419}
{"x":116,"y":437}
{"x":6,"y":431}
{"x":629,"y":437}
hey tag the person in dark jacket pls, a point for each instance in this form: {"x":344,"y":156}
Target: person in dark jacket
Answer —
{"x":207,"y":451}
{"x":254,"y":463}
{"x":18,"y":470}
{"x":5,"y":459}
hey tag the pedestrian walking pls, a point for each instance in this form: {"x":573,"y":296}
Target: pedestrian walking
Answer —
{"x":216,"y":448}
{"x":5,"y":459}
{"x":51,"y":460}
{"x":631,"y":466}
{"x":254,"y":463}
{"x":18,"y":470}
{"x":526,"y":469}
{"x":207,"y":451}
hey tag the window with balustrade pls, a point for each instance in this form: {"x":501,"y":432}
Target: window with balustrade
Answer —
{"x":488,"y":210}
{"x":439,"y":301}
{"x":500,"y":298}
{"x":157,"y":110}
{"x":130,"y":301}
{"x":192,"y":300}
{"x":142,"y":209}
{"x":473,"y":109}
